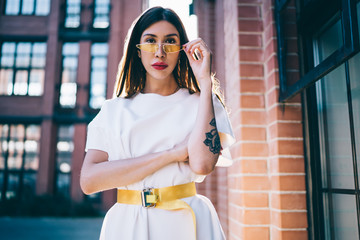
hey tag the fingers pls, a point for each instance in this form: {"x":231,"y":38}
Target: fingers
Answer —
{"x":197,"y":49}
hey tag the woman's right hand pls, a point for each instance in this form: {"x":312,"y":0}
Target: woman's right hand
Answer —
{"x":180,"y":151}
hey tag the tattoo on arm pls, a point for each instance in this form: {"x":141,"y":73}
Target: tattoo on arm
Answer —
{"x":212,"y":139}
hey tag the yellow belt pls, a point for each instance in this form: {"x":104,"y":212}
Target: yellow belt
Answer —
{"x":167,"y":198}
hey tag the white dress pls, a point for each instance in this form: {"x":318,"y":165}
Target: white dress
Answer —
{"x":147,"y":123}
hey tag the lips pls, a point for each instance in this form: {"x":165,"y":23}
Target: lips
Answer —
{"x":159,"y":65}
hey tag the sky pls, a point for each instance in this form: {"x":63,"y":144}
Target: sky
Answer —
{"x":181,"y":7}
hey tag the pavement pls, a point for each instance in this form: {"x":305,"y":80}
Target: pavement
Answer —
{"x":45,"y":228}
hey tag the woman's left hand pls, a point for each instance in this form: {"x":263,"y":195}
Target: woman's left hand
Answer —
{"x":201,"y":66}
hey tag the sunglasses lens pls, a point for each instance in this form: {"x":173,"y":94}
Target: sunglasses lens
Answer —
{"x":148,"y":47}
{"x":171,"y":48}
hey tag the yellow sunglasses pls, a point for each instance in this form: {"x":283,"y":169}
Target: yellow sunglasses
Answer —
{"x":154,"y":47}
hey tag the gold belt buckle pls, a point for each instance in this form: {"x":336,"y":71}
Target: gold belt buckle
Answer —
{"x":148,"y":198}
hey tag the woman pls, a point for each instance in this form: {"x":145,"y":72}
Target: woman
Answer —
{"x":158,"y":136}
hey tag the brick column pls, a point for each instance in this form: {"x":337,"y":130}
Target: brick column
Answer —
{"x":285,"y":138}
{"x":45,"y":175}
{"x":267,"y":182}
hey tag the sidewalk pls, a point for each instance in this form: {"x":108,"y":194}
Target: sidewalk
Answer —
{"x":50,"y":228}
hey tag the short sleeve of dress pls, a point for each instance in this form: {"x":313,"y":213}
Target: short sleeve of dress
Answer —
{"x":225,"y":131}
{"x":96,"y":133}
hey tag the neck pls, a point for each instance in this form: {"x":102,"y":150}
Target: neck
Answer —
{"x":162,"y":87}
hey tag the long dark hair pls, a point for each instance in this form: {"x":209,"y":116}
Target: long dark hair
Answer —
{"x":131,"y":74}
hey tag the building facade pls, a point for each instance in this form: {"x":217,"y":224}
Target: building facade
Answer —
{"x":290,"y":73}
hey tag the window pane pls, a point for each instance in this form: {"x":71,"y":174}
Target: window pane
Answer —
{"x":7,"y":54}
{"x":335,"y":130}
{"x":32,"y":147}
{"x":29,"y":185}
{"x":65,"y":147}
{"x":21,"y":79}
{"x":42,"y":7}
{"x":23,"y":55}
{"x":38,"y":55}
{"x":68,"y":87}
{"x":13,"y":186}
{"x":27,"y":7}
{"x":73,"y":9}
{"x":358,"y":14}
{"x":329,"y":41}
{"x":345,"y":217}
{"x":354,"y":70}
{"x":101,"y":14}
{"x":36,"y":82}
{"x":4,"y":133}
{"x":98,"y":75}
{"x":16,"y":146}
{"x":12,"y":7}
{"x":6,"y":81}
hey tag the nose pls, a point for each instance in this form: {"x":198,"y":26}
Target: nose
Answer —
{"x":160,"y":51}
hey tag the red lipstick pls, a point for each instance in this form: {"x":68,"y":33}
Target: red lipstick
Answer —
{"x":159,"y":65}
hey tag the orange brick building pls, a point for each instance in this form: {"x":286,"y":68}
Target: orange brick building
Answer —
{"x":290,"y":73}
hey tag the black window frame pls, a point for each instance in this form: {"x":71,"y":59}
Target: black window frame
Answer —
{"x":310,"y":16}
{"x":311,"y":75}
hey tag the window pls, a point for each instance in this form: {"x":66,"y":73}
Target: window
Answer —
{"x":99,"y":52}
{"x":101,"y":14}
{"x":332,"y":117}
{"x":68,"y":86}
{"x":22,"y":68}
{"x":72,"y":15}
{"x":27,"y":7}
{"x":64,"y":147}
{"x":19,"y":160}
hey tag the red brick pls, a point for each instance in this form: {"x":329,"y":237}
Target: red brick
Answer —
{"x":251,"y":70}
{"x":285,"y":112}
{"x":270,"y":49}
{"x":259,"y":200}
{"x":290,"y":147}
{"x":289,"y":219}
{"x":252,"y":86}
{"x":251,"y":55}
{"x":286,"y":130}
{"x":252,"y":133}
{"x":289,"y":235}
{"x":254,"y":166}
{"x":256,"y":216}
{"x":272,"y":80}
{"x":252,"y":101}
{"x":250,"y":40}
{"x":254,"y":149}
{"x":271,"y":64}
{"x":288,"y":183}
{"x":287,"y":165}
{"x":255,"y":183}
{"x":253,"y":117}
{"x":292,"y":62}
{"x":272,"y":97}
{"x":256,"y":233}
{"x":288,"y":201}
{"x":248,"y":11}
{"x":250,"y":26}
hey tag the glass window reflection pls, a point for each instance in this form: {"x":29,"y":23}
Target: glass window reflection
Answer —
{"x":22,"y":69}
{"x":68,"y":87}
{"x":98,"y":74}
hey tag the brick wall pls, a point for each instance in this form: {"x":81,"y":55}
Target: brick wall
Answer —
{"x":263,"y":195}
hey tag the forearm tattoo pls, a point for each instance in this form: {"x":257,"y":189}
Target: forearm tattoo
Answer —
{"x":212,"y":139}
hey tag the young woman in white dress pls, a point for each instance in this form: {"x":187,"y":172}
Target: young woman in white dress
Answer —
{"x":158,"y":136}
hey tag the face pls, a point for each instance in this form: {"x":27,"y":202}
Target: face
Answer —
{"x":159,"y":65}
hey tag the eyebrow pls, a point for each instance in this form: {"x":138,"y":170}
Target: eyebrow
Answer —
{"x":153,"y":35}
